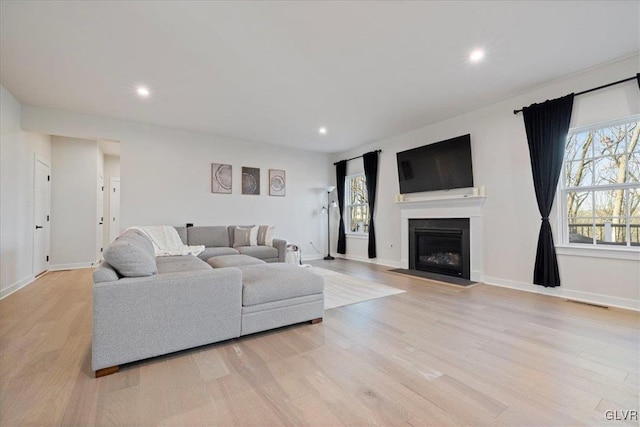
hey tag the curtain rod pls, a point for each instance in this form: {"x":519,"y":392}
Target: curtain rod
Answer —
{"x":357,"y":157}
{"x":595,"y":88}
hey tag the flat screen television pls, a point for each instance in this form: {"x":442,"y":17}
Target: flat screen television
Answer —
{"x":443,"y":165}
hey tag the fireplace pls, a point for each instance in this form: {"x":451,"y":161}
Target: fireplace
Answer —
{"x":440,"y":245}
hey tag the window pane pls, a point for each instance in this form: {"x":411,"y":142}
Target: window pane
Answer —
{"x":579,"y":205}
{"x":579,"y":146}
{"x":610,"y":203}
{"x":611,"y":231}
{"x":633,"y":168}
{"x":610,"y":140}
{"x":579,"y":173}
{"x":580,"y":216}
{"x":581,"y":230}
{"x":633,"y":195}
{"x":359,"y":218}
{"x":358,"y":190}
{"x":610,"y":170}
{"x":634,"y":230}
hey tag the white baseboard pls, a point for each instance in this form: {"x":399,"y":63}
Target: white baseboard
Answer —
{"x":560,"y":292}
{"x":72,"y":266}
{"x":16,"y":286}
{"x":379,"y":261}
{"x":311,"y":257}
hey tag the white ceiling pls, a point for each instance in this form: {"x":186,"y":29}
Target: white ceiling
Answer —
{"x":275,"y":71}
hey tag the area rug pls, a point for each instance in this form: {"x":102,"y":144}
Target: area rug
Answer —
{"x":341,"y":289}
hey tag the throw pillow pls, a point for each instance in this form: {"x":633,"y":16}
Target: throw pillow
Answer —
{"x":265,"y":235}
{"x":130,"y":259}
{"x":241,"y":237}
{"x":253,"y":236}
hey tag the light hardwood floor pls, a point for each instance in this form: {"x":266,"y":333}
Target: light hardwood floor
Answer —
{"x":435,"y":355}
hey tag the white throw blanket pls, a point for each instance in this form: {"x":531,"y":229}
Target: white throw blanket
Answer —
{"x":166,"y":241}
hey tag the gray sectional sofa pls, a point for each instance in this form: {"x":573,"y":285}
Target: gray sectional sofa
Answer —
{"x":145,"y":306}
{"x":219,"y":240}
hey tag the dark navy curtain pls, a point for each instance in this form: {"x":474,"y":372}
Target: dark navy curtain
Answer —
{"x":371,"y":175}
{"x":547,"y":125}
{"x":341,"y":175}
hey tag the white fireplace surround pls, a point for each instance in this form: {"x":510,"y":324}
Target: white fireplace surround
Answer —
{"x":459,"y":206}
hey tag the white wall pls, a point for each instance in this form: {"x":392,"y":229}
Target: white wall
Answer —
{"x":73,"y":202}
{"x":18,"y":150}
{"x":111,"y":170}
{"x":166,"y":173}
{"x":501,"y":163}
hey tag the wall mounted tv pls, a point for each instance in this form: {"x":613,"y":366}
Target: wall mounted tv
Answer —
{"x":440,"y":166}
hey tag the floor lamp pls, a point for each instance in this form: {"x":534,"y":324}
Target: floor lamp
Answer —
{"x":327,"y":210}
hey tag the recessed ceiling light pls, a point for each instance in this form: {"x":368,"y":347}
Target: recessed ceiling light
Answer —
{"x":142,"y":91}
{"x":476,"y":55}
{"x":322,"y":131}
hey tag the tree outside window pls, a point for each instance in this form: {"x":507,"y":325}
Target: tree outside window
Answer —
{"x":357,"y":204}
{"x":601,"y":189}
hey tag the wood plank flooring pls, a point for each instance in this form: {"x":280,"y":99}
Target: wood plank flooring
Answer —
{"x":435,"y":355}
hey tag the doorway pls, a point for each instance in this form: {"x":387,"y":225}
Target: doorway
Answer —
{"x":41,"y":208}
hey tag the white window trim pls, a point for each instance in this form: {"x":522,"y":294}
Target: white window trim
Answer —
{"x":585,"y":249}
{"x":347,"y":223}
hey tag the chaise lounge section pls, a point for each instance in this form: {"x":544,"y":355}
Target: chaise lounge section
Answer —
{"x":146,"y":306}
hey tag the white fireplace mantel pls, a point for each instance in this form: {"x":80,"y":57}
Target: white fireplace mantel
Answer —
{"x":458,"y":201}
{"x":458,"y":206}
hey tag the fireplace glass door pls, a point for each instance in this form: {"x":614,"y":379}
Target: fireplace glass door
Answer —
{"x":439,"y":251}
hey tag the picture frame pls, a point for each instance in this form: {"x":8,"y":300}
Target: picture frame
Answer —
{"x":251,"y":181}
{"x":221,"y":178}
{"x":277,"y":182}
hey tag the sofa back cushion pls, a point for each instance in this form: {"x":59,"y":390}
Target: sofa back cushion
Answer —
{"x":215,"y":236}
{"x":132,"y":255}
{"x":182,"y":232}
{"x":265,"y":235}
{"x":105,"y":273}
{"x":232,"y":235}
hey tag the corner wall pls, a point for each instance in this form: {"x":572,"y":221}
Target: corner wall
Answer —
{"x":18,"y":151}
{"x":73,"y":202}
{"x":511,"y":217}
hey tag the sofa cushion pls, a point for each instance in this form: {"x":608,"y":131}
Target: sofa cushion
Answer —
{"x":141,"y":238}
{"x":182,"y":232}
{"x":233,"y":261}
{"x":265,"y":235}
{"x":129,"y":255}
{"x":231,"y":231}
{"x":175,"y":264}
{"x":211,"y":252}
{"x":274,"y":282}
{"x":241,"y":237}
{"x":261,"y":252}
{"x":215,"y":236}
{"x":105,"y":273}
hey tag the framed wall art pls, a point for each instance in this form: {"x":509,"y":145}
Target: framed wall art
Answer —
{"x":221,"y":178}
{"x":277,"y":182}
{"x":250,"y":180}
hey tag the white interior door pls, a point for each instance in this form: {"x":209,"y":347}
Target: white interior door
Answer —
{"x":41,"y":197}
{"x":100,"y":209}
{"x":114,"y":209}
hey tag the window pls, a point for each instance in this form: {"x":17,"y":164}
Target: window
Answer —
{"x":357,"y":204}
{"x":600,"y":187}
